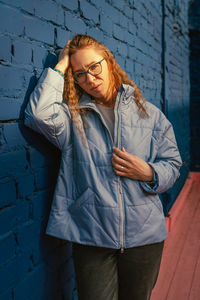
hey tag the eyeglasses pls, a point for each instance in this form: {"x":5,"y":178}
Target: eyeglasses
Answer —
{"x":93,"y":70}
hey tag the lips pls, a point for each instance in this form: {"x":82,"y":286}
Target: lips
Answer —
{"x":95,"y":87}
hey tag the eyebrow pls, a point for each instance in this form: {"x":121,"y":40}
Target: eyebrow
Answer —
{"x":87,"y":66}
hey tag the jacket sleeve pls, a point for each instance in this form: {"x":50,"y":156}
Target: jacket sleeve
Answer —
{"x":167,"y":162}
{"x":45,"y":112}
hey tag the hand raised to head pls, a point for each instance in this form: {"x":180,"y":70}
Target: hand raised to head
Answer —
{"x":63,"y":59}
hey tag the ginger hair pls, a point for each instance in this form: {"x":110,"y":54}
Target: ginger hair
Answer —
{"x":72,"y":92}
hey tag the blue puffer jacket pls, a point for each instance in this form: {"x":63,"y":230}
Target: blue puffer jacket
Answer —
{"x":91,"y":204}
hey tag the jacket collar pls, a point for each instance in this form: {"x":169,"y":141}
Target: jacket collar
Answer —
{"x":87,"y":101}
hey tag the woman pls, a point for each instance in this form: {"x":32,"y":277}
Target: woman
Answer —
{"x":118,"y":153}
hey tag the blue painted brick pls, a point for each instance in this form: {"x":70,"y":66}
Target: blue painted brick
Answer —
{"x":16,"y":214}
{"x":106,"y":24}
{"x":129,"y":66}
{"x":40,"y":158}
{"x":10,"y":108}
{"x":89,"y":11}
{"x":41,"y":204}
{"x":7,"y":192}
{"x":96,"y":33}
{"x":11,"y":20}
{"x":28,"y":235}
{"x":119,"y":32}
{"x":39,"y":30}
{"x":22,"y":52}
{"x":43,"y":178}
{"x":111,"y":12}
{"x":33,"y":286}
{"x":6,"y":295}
{"x":27,"y":5}
{"x":25,"y":186}
{"x":62,"y":37}
{"x":10,"y":79}
{"x":8,"y":247}
{"x":5,"y":49}
{"x":13,"y":134}
{"x":13,"y":163}
{"x":122,"y":49}
{"x":72,"y":5}
{"x":39,"y":56}
{"x":51,"y":11}
{"x":76,"y":25}
{"x":8,"y":274}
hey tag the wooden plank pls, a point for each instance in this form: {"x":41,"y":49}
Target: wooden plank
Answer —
{"x":183,"y":277}
{"x":174,"y":246}
{"x":195,"y":288}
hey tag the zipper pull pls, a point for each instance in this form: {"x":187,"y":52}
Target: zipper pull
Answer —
{"x":122,"y":250}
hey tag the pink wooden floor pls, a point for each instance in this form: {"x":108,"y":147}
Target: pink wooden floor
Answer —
{"x":179,"y":277}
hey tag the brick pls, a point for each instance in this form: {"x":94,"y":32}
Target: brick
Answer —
{"x":6,"y":295}
{"x":26,"y":289}
{"x":25,"y":186}
{"x":39,"y":30}
{"x":13,"y":81}
{"x":8,"y":247}
{"x":111,"y":12}
{"x":16,"y":214}
{"x":89,"y":11}
{"x":50,"y":11}
{"x":106,"y":24}
{"x":42,"y":178}
{"x":118,"y":32}
{"x":96,"y":33}
{"x":7,"y":192}
{"x":72,"y":5}
{"x":39,"y":56}
{"x":62,"y":37}
{"x":10,"y":108}
{"x":129,"y":66}
{"x":28,"y":235}
{"x":11,"y":20}
{"x":122,"y":49}
{"x":13,"y":163}
{"x":22,"y":52}
{"x":111,"y":44}
{"x":41,"y":204}
{"x":5,"y":50}
{"x":41,"y":157}
{"x":73,"y":23}
{"x":13,"y":134}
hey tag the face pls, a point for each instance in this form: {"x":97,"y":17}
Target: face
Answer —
{"x":96,"y":86}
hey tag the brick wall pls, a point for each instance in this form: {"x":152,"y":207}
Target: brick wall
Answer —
{"x":194,"y":26}
{"x":151,"y":48}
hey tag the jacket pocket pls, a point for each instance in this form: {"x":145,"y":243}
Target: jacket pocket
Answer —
{"x":86,"y":197}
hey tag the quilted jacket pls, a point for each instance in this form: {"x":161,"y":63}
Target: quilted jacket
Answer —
{"x":92,"y":205}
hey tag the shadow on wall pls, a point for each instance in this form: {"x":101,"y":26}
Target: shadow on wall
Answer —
{"x":51,"y":256}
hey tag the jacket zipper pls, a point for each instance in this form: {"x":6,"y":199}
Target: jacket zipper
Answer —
{"x":120,"y":188}
{"x":119,"y":179}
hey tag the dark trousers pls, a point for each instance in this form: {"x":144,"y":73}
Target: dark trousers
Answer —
{"x":108,"y":274}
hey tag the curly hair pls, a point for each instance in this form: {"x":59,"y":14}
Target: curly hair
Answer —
{"x":72,"y":92}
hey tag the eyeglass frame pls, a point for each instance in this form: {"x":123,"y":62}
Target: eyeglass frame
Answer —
{"x":88,"y":72}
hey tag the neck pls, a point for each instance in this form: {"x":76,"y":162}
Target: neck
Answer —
{"x":108,"y":101}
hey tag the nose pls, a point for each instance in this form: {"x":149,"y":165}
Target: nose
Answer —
{"x":90,"y":78}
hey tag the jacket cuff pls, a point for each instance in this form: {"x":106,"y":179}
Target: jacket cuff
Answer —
{"x":151,"y":187}
{"x":53,"y":79}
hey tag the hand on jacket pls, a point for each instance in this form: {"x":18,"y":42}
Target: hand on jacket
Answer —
{"x":131,"y":166}
{"x":63,"y":60}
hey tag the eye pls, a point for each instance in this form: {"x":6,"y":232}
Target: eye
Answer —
{"x":94,"y":67}
{"x":79,"y":76}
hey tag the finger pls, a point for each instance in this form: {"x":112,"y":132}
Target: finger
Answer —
{"x":118,"y":161}
{"x":123,"y":154}
{"x":120,"y":173}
